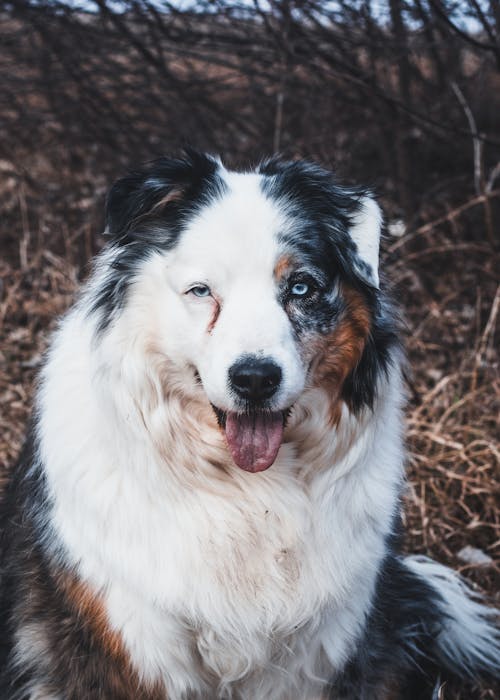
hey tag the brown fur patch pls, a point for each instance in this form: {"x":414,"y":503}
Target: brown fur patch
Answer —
{"x":90,"y":610}
{"x":283,"y":266}
{"x":88,"y":606}
{"x":175,"y":195}
{"x":215,"y":315}
{"x":339,"y":352}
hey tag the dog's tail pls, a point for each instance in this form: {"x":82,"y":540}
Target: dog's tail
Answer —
{"x":468,"y":643}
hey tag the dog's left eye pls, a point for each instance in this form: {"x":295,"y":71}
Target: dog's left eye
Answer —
{"x":200,"y":290}
{"x":300,"y":289}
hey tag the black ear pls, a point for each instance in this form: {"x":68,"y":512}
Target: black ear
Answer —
{"x":128,"y":199}
{"x":158,"y":191}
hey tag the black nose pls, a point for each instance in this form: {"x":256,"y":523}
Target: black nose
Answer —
{"x":254,"y":379}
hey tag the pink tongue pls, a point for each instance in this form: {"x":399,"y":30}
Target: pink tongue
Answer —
{"x":254,"y":440}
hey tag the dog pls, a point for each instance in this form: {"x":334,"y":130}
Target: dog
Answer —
{"x":207,"y":505}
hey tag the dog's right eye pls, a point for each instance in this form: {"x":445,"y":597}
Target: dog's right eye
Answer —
{"x":200,"y":290}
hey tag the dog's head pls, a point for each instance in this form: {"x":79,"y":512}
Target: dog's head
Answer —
{"x":261,"y":285}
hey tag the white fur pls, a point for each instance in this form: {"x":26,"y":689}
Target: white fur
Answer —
{"x":232,"y":247}
{"x":366,"y":234}
{"x":41,"y":693}
{"x":469,"y":639}
{"x":266,"y":577}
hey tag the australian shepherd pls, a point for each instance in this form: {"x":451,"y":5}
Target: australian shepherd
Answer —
{"x":207,"y":505}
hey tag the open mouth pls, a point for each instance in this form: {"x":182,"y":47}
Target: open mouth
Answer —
{"x":254,"y":437}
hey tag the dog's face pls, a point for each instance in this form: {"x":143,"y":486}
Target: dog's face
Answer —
{"x":263,"y":284}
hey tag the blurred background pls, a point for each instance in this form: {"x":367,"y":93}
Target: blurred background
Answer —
{"x":400,"y":95}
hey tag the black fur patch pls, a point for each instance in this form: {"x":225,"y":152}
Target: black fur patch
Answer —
{"x":147,"y":212}
{"x":324,"y":212}
{"x":23,"y":506}
{"x":397,"y":649}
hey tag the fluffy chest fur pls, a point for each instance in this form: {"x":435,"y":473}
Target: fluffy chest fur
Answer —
{"x":199,"y":564}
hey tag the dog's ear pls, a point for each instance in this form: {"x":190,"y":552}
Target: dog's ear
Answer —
{"x":157,"y":192}
{"x":366,"y":225}
{"x":135,"y":197}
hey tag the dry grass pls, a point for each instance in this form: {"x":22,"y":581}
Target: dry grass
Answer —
{"x":451,"y":302}
{"x":453,"y":435}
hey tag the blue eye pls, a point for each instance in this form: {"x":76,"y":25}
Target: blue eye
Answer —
{"x":299,"y":289}
{"x":200,"y":290}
